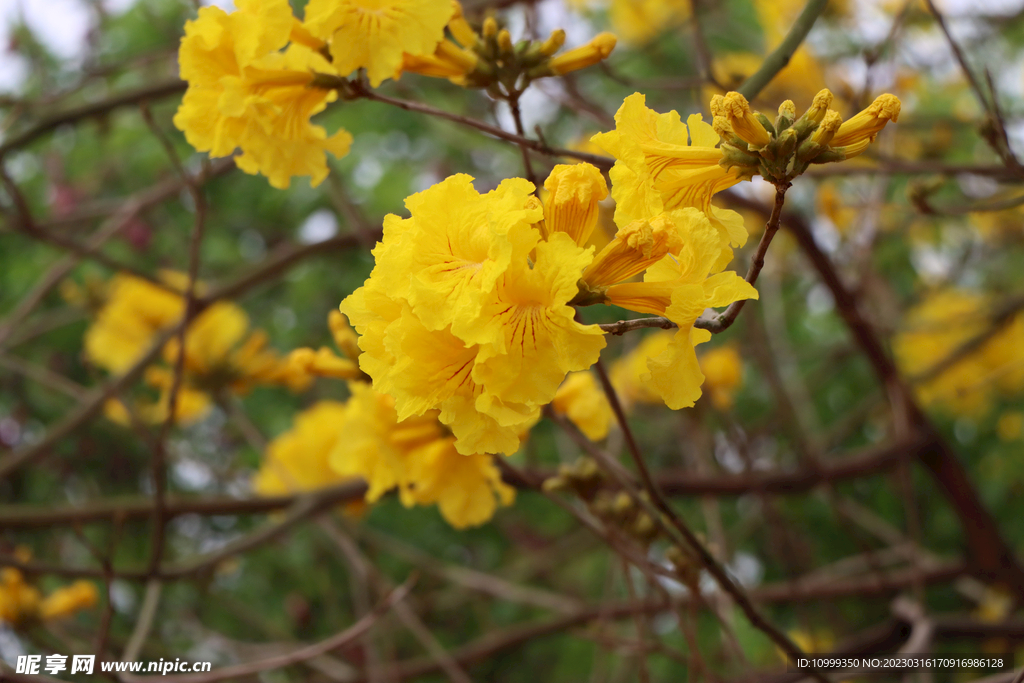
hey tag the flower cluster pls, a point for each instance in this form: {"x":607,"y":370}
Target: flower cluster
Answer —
{"x":935,"y":331}
{"x":221,"y":355}
{"x":363,"y":438}
{"x":256,"y":76}
{"x":469,"y":309}
{"x":466,"y":312}
{"x":245,"y":92}
{"x":21,"y":602}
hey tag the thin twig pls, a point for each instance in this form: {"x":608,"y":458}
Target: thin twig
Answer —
{"x":300,"y":655}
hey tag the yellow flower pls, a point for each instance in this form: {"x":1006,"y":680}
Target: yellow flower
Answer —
{"x":67,"y":600}
{"x":939,"y":326}
{"x":634,"y":248}
{"x":374,"y":34}
{"x":417,"y":457}
{"x":681,"y":287}
{"x":572,"y":203}
{"x":466,"y":488}
{"x":298,"y":459}
{"x":19,"y":601}
{"x":599,"y":47}
{"x":581,"y":400}
{"x":456,"y":318}
{"x":448,"y":61}
{"x":736,"y":110}
{"x":244,"y":93}
{"x":221,"y":353}
{"x":723,"y":373}
{"x":663,"y":164}
{"x":125,"y":327}
{"x":865,"y":126}
{"x":529,"y":339}
{"x":640,"y":21}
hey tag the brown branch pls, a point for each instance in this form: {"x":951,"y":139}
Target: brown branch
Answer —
{"x":94,"y":109}
{"x":496,"y":642}
{"x":302,"y":654}
{"x":992,"y":558}
{"x":360,"y":90}
{"x":660,"y":510}
{"x":867,"y":462}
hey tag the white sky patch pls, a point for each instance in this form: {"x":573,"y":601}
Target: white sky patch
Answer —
{"x":319,"y":226}
{"x":535,"y":107}
{"x":60,"y":25}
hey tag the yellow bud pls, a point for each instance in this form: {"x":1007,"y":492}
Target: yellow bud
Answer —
{"x":787,"y":109}
{"x":490,"y":27}
{"x":574,"y":191}
{"x":866,"y":124}
{"x":554,"y":484}
{"x":449,"y":52}
{"x":827,"y":128}
{"x":622,"y":503}
{"x":585,"y":55}
{"x":852,"y":150}
{"x":460,"y":28}
{"x":822,"y":101}
{"x":736,"y":109}
{"x":554,"y":43}
{"x":721,"y":126}
{"x":65,"y":601}
{"x":505,"y":42}
{"x":345,"y":338}
{"x":718,"y":106}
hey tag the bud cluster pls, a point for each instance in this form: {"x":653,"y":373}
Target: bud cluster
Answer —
{"x":488,"y":57}
{"x":782,"y":149}
{"x":617,"y":508}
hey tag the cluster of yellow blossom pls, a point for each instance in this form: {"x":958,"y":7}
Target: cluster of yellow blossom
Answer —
{"x":222,"y":354}
{"x":244,"y":92}
{"x":469,"y":310}
{"x":364,"y":438}
{"x":21,"y":602}
{"x":257,"y":75}
{"x":937,"y":328}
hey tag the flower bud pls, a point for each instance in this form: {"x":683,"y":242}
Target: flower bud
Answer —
{"x":786,"y":117}
{"x":345,"y":337}
{"x":826,"y":130}
{"x":554,"y":43}
{"x":634,"y":249}
{"x":461,"y":29}
{"x":490,"y":27}
{"x":735,"y":108}
{"x":504,"y":42}
{"x":866,"y":124}
{"x":574,"y":191}
{"x":585,"y":55}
